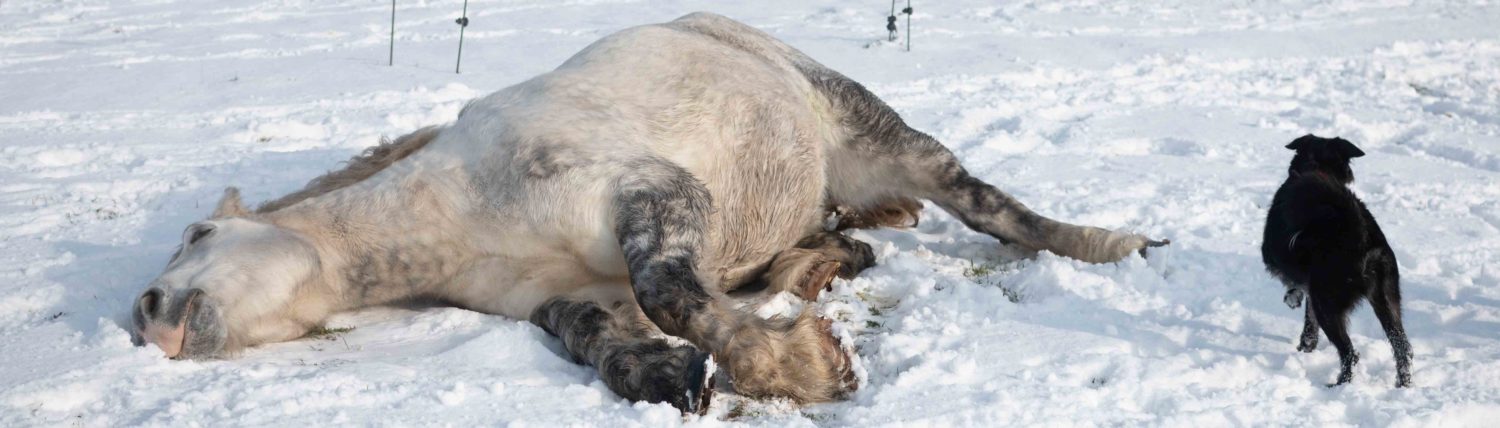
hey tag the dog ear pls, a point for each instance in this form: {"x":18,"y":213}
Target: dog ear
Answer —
{"x":1303,"y":142}
{"x":1347,"y":148}
{"x":230,"y":205}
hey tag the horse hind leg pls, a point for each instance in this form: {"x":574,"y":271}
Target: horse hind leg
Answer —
{"x":881,"y":158}
{"x":895,"y":212}
{"x":630,"y":355}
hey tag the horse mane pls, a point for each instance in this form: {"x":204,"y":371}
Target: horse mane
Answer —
{"x":357,"y":168}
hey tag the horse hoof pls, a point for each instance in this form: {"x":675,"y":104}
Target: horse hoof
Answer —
{"x":847,"y":381}
{"x":700,"y":386}
{"x":900,"y":213}
{"x":817,"y":279}
{"x":1145,"y":251}
{"x":1157,"y":254}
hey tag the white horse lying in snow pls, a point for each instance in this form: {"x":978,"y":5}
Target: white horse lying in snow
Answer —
{"x":611,"y":201}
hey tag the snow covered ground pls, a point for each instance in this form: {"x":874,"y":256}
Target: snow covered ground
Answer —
{"x":121,"y":121}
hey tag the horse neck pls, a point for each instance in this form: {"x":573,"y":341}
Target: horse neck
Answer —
{"x":383,"y":241}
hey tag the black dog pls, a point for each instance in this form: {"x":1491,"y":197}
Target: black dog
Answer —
{"x":1320,"y":240}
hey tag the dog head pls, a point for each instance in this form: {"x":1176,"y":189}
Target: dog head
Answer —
{"x":1326,"y":155}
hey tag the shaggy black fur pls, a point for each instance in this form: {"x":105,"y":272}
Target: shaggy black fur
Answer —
{"x":1321,"y":241}
{"x":631,"y":362}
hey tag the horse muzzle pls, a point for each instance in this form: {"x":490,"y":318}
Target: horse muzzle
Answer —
{"x":184,"y":324}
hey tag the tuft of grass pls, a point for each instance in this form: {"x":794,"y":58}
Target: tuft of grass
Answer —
{"x":325,"y":333}
{"x":1012,"y":295}
{"x":980,"y":273}
{"x":876,"y":303}
{"x":818,"y":418}
{"x":741,"y":412}
{"x":980,"y":270}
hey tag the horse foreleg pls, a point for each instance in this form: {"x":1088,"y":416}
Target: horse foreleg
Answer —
{"x":613,"y":336}
{"x":810,"y":268}
{"x":661,"y":214}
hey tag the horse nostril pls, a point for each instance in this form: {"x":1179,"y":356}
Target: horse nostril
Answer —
{"x":150,"y":303}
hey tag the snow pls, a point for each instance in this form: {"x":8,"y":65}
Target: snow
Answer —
{"x":122,"y":121}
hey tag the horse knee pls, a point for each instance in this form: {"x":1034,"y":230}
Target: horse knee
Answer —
{"x":577,"y":323}
{"x":672,"y":300}
{"x":661,"y":213}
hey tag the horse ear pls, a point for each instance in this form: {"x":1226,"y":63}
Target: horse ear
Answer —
{"x":1302,"y":142}
{"x":1347,"y":148}
{"x":230,"y":205}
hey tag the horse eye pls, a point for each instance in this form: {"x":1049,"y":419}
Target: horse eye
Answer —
{"x":199,"y":234}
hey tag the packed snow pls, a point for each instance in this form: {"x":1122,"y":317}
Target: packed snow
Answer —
{"x":122,"y":121}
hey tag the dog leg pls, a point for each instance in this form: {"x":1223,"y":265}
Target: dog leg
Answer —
{"x":1387,"y":305}
{"x":1309,"y":341}
{"x":1334,"y":320}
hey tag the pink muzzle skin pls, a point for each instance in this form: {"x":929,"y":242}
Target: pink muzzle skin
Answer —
{"x":170,"y":338}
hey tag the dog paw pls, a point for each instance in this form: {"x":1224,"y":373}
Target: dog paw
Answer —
{"x":1346,"y":374}
{"x":1306,"y":346}
{"x":1293,"y":298}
